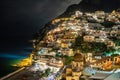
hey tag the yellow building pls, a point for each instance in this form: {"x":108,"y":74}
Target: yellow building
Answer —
{"x":72,"y":74}
{"x":75,"y":71}
{"x":78,"y":61}
{"x":88,"y":57}
{"x":68,"y":52}
{"x":107,"y":62}
{"x":64,"y":45}
{"x":71,"y":52}
{"x":89,"y":38}
{"x":117,"y":60}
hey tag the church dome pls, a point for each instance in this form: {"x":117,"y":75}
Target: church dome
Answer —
{"x":78,"y":57}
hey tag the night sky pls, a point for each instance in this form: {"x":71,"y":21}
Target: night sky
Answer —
{"x":25,"y":17}
{"x":19,"y":21}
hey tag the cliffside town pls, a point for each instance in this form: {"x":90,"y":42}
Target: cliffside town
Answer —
{"x":81,"y":44}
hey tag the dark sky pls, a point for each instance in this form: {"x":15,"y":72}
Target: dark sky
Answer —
{"x":24,"y":17}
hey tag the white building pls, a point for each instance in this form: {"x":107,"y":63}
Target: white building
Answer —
{"x":78,"y":13}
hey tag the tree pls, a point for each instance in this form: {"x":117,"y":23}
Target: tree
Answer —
{"x":68,"y":59}
{"x":47,"y":71}
{"x":86,"y":47}
{"x":99,"y":47}
{"x":108,"y":23}
{"x":115,"y":40}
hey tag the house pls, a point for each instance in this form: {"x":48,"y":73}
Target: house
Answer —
{"x":117,"y":60}
{"x":78,"y":13}
{"x":88,"y":57}
{"x":89,"y":38}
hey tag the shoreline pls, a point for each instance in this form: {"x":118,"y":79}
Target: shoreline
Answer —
{"x":12,"y":67}
{"x":12,"y":73}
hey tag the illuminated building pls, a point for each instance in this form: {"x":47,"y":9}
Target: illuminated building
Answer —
{"x":78,"y":14}
{"x":75,"y":71}
{"x":56,"y":63}
{"x":107,"y":63}
{"x":89,"y":38}
{"x":88,"y":57}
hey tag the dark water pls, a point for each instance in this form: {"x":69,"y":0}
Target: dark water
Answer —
{"x":12,"y":50}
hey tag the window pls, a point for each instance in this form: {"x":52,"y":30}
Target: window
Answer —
{"x":115,"y":59}
{"x":104,"y":61}
{"x":111,"y":59}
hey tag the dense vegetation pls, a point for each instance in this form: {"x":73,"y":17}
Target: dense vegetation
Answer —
{"x":86,"y":47}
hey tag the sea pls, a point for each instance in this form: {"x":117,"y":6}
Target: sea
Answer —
{"x":12,"y":51}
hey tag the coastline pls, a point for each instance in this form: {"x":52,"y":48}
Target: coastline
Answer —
{"x":11,"y":74}
{"x":12,"y":52}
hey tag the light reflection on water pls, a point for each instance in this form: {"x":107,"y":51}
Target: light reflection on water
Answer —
{"x":10,"y":58}
{"x":12,"y":51}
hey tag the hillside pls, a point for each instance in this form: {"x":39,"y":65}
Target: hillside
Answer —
{"x":84,"y":6}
